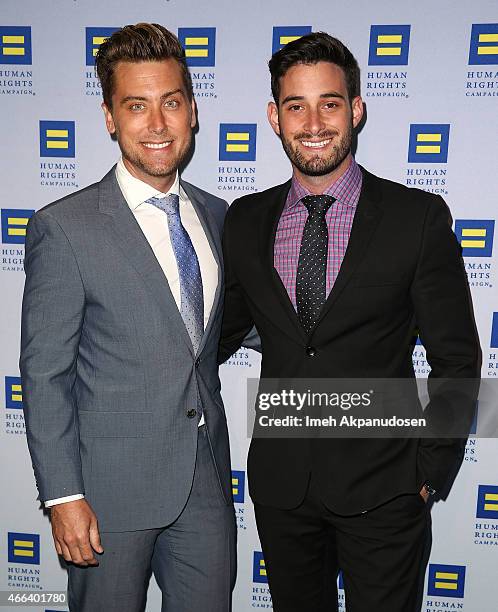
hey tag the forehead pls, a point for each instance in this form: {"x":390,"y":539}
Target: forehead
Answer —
{"x":146,"y":74}
{"x":313,"y":79}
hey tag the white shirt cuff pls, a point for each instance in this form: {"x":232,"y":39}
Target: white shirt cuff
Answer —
{"x":63,"y":500}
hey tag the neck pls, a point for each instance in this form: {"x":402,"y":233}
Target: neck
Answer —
{"x":319,"y":184}
{"x":160,"y":183}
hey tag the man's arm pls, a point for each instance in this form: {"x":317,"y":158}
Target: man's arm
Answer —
{"x":444,"y":315}
{"x":52,"y":318}
{"x":237,"y":319}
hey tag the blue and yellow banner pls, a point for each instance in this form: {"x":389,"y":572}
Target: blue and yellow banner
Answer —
{"x":94,"y":37}
{"x":13,"y":392}
{"x":475,"y":236}
{"x":389,"y":45}
{"x":237,"y":142}
{"x":57,"y":139}
{"x":15,"y":45}
{"x":283,"y":35}
{"x":483,"y":44}
{"x":259,"y":568}
{"x":23,"y":548}
{"x":446,"y":580}
{"x":429,"y":143}
{"x":14,"y":222}
{"x":199,"y":45}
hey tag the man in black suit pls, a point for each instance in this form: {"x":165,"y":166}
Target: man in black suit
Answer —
{"x":336,"y":268}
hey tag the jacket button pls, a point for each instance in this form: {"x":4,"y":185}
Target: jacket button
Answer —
{"x":192,"y":413}
{"x":310,"y":351}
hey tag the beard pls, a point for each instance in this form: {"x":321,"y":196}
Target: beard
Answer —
{"x":158,"y":168}
{"x":318,"y":164}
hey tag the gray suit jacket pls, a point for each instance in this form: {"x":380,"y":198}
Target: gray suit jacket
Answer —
{"x":108,"y":369}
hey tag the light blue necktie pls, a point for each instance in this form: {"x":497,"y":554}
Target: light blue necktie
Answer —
{"x":191,"y":293}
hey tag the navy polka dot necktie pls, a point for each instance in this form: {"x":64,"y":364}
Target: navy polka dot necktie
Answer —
{"x":191,"y":293}
{"x":311,"y":281}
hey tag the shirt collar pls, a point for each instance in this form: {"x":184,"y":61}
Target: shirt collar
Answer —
{"x":346,"y":189}
{"x":136,"y":192}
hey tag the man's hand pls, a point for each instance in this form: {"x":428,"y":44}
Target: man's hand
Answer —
{"x":424,"y":493}
{"x":76,"y":532}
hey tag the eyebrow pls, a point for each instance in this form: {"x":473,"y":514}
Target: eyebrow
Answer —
{"x":329,"y":94}
{"x":144,"y":99}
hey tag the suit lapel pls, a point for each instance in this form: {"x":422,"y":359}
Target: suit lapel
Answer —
{"x":127,"y":236}
{"x":213,"y":236}
{"x":268,"y":230}
{"x":366,"y":219}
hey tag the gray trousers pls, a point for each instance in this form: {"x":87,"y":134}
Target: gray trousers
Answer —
{"x":193,"y":559}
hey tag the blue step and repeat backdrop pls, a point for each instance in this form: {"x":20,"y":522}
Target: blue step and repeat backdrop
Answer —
{"x":430,"y":84}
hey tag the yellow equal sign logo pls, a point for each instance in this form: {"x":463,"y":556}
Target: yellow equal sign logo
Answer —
{"x":389,"y":45}
{"x":14,"y":222}
{"x":200,"y":41}
{"x":199,"y":45}
{"x":389,"y":39}
{"x":473,"y":238}
{"x":428,"y":142}
{"x":235,"y":485}
{"x":428,"y":148}
{"x":446,"y":580}
{"x":24,"y":548}
{"x":259,"y":568}
{"x":57,"y":144}
{"x":491,"y":502}
{"x":20,"y":230}
{"x":487,"y":49}
{"x":13,"y":40}
{"x":237,"y":142}
{"x":483,"y":44}
{"x":283,"y":35}
{"x":238,"y":486}
{"x":57,"y":139}
{"x":15,"y":45}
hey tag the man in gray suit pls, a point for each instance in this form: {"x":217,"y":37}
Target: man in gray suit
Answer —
{"x":120,"y":326}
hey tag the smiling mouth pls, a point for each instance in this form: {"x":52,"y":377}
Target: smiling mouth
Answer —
{"x":315,"y":145}
{"x":157,"y":145}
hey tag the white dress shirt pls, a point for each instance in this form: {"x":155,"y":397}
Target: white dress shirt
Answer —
{"x":154,"y":224}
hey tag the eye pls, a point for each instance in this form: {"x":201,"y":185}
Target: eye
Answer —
{"x":171,"y":104}
{"x":137,"y":106}
{"x":295,"y":107}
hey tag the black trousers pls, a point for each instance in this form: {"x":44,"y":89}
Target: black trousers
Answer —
{"x":382,"y":554}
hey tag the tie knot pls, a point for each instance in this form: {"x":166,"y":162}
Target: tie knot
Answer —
{"x":318,"y":204}
{"x":169,"y":204}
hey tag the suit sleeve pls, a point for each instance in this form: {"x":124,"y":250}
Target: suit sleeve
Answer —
{"x":443,"y":310}
{"x":52,"y":316}
{"x":237,"y":318}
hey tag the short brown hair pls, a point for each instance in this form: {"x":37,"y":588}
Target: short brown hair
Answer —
{"x":143,"y":42}
{"x":311,"y":49}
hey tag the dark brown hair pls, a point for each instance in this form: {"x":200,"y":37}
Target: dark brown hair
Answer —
{"x":143,"y":42}
{"x":311,"y":49}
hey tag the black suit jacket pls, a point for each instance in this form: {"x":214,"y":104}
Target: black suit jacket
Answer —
{"x":402,"y":270}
